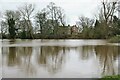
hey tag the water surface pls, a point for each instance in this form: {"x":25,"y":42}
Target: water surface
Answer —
{"x":59,"y":58}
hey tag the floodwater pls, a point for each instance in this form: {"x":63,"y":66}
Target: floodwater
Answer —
{"x":58,"y":58}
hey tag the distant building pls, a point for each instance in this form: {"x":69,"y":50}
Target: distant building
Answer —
{"x":68,"y":30}
{"x":74,"y":30}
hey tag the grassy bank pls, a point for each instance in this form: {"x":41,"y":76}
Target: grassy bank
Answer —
{"x":115,"y":39}
{"x":114,"y":77}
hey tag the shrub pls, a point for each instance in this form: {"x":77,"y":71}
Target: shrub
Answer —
{"x":115,"y":39}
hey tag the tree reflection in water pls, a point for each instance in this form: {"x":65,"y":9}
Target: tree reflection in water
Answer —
{"x":0,"y":57}
{"x":107,"y":56}
{"x":21,"y":57}
{"x":52,"y":57}
{"x":27,"y":62}
{"x":13,"y":57}
{"x":87,"y":52}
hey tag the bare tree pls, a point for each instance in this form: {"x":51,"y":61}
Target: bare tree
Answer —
{"x":61,"y":16}
{"x":15,"y":15}
{"x":51,"y":8}
{"x":85,"y":25}
{"x":4,"y":27}
{"x":56,"y":13}
{"x":41,"y":19}
{"x":119,"y":9}
{"x":12,"y":14}
{"x":57,"y":16}
{"x":11,"y":21}
{"x":108,"y":11}
{"x":0,"y":26}
{"x":85,"y":22}
{"x":26,"y":12}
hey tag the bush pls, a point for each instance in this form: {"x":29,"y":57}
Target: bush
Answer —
{"x":115,"y":39}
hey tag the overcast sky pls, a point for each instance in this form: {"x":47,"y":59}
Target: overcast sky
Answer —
{"x":73,"y":8}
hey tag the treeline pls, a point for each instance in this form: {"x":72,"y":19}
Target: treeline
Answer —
{"x":106,"y":24}
{"x":19,"y":23}
{"x":99,"y":29}
{"x":50,"y":22}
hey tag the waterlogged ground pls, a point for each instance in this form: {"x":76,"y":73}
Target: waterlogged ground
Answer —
{"x":58,"y":58}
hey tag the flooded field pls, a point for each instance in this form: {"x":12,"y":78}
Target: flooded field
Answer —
{"x":58,"y":58}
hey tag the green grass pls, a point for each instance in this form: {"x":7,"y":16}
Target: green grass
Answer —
{"x":114,"y":77}
{"x":115,"y":39}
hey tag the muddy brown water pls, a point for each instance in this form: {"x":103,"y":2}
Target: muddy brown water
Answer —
{"x":58,"y":58}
